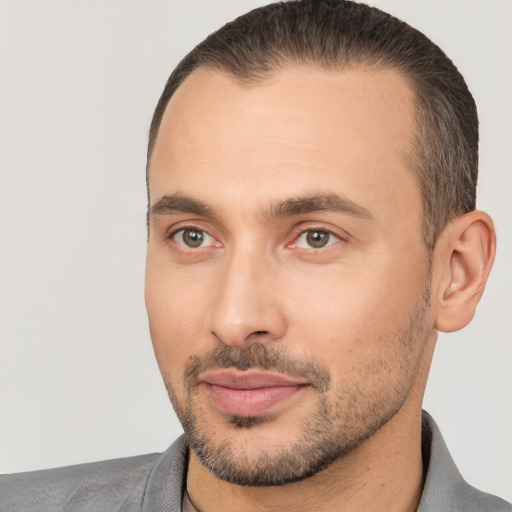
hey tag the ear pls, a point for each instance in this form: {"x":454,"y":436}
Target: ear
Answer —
{"x":462,"y":260}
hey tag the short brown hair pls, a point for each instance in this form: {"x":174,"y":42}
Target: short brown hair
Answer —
{"x":335,"y":34}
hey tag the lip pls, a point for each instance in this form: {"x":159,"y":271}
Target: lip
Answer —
{"x":249,"y":393}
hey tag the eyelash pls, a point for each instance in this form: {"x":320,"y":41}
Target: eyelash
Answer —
{"x":173,"y":235}
{"x":332,"y":237}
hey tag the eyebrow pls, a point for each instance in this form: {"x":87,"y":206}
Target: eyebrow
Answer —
{"x":177,"y":203}
{"x":320,"y":202}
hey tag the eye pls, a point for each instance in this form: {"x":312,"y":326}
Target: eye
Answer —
{"x":315,"y":239}
{"x":192,"y":238}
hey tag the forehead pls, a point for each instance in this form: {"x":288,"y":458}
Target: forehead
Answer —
{"x":304,"y":92}
{"x":303,"y":125}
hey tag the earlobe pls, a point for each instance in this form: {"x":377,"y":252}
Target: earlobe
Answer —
{"x":463,"y":258}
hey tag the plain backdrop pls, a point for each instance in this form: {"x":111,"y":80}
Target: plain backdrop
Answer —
{"x":79,"y":81}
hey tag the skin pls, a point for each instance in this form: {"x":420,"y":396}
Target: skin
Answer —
{"x":364,"y":308}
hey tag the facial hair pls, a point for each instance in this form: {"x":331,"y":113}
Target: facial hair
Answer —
{"x":342,"y":419}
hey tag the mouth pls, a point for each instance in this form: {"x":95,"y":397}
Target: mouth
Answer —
{"x":249,"y":393}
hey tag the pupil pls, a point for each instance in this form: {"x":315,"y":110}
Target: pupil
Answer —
{"x":317,"y":239}
{"x":193,"y":237}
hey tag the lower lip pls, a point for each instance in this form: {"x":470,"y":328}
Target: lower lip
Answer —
{"x":250,"y":402}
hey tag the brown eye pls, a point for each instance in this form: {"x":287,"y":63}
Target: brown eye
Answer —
{"x":315,"y":239}
{"x":193,"y":238}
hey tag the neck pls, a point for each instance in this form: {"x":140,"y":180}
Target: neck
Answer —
{"x":383,"y":473}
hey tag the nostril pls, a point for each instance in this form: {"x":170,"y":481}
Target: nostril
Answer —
{"x":260,"y":332}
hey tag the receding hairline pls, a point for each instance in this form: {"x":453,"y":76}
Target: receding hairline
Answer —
{"x":255,"y":80}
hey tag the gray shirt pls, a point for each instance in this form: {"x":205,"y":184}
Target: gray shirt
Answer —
{"x":155,"y":483}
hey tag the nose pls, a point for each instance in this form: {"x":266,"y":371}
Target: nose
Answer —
{"x":248,"y":307}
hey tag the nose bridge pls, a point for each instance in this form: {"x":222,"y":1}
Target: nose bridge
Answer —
{"x":247,"y":306}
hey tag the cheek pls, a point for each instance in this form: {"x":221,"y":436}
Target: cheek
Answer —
{"x":350,"y":314}
{"x":176,"y":310}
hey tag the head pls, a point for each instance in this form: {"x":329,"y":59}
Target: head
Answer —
{"x":311,"y":175}
{"x":337,"y":35}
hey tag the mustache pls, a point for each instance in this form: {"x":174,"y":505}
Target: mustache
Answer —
{"x":256,"y":356}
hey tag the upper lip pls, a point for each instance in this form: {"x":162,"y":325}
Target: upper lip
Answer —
{"x":249,"y":379}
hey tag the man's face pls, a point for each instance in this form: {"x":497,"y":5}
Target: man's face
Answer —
{"x":287,"y":281}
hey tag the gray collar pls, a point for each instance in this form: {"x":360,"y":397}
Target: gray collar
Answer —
{"x":445,"y":489}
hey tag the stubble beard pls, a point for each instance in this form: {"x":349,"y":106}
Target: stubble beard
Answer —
{"x":342,"y":420}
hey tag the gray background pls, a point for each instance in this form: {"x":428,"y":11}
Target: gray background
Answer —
{"x":79,"y":80}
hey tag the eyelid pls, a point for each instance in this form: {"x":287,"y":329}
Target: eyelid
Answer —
{"x":207,"y":239}
{"x":340,"y":234}
{"x":171,"y":233}
{"x":185,"y":224}
{"x":331,"y":239}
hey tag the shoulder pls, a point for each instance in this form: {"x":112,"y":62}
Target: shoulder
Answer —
{"x":118,"y":484}
{"x":445,"y":488}
{"x":91,"y":486}
{"x":481,"y":501}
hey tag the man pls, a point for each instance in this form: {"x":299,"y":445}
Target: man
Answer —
{"x":312,"y":225}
